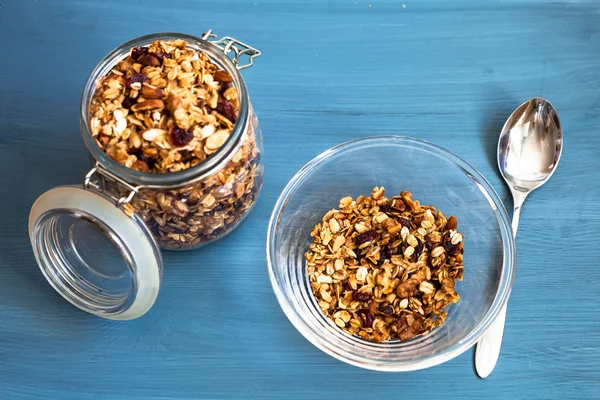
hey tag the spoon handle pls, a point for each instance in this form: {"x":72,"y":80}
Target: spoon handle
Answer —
{"x":488,"y":347}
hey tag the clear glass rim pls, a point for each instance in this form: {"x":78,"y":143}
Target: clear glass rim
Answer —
{"x":176,"y":179}
{"x":333,"y":347}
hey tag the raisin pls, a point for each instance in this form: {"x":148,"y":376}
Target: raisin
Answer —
{"x":405,"y":222}
{"x":366,"y":318}
{"x":149,"y":161}
{"x":418,"y":250}
{"x":365,"y":237}
{"x":385,"y":254}
{"x":225,"y":108}
{"x":137,"y":52}
{"x":128,"y":102}
{"x":225,"y":86}
{"x":141,"y":78}
{"x":428,"y":243}
{"x":386,"y":309}
{"x":385,"y":208}
{"x":447,"y":243}
{"x":180,"y":137}
{"x":362,"y":296}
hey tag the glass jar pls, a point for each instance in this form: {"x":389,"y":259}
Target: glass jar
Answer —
{"x":98,"y":244}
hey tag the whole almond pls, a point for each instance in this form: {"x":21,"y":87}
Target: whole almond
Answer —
{"x":222,"y":76}
{"x":149,"y":60}
{"x":451,"y":223}
{"x":147,"y":105}
{"x":151,"y":93}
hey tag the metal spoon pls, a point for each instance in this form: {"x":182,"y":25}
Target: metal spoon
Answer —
{"x":529,"y":149}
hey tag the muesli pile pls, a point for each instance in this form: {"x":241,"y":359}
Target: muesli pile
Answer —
{"x":385,"y":268}
{"x":165,"y":108}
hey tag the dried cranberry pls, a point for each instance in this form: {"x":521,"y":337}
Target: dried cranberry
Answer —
{"x":366,"y":318}
{"x":128,"y":102}
{"x":418,"y":250}
{"x":225,"y":108}
{"x":180,"y":137}
{"x":362,"y":296}
{"x":365,"y":237}
{"x":405,"y":222}
{"x":141,"y":78}
{"x":137,"y":52}
{"x":386,"y":309}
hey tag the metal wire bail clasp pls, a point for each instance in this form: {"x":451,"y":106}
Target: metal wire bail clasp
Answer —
{"x":99,"y":184}
{"x":228,"y":44}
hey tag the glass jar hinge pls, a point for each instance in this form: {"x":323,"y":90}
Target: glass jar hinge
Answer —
{"x":228,"y":44}
{"x":94,"y":179}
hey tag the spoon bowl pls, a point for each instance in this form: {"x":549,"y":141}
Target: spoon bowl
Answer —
{"x":530,"y":145}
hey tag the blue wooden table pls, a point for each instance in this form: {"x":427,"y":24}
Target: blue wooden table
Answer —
{"x":446,"y":71}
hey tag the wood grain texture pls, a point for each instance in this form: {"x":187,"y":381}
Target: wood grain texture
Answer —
{"x":445,"y":71}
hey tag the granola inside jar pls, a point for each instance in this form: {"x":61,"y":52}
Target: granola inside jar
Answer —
{"x":169,"y":114}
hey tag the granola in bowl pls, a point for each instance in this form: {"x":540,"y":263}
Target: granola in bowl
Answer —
{"x":385,"y":268}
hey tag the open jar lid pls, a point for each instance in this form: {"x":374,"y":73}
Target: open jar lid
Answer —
{"x":97,"y":257}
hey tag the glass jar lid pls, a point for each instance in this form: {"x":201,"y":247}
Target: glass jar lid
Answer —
{"x":94,"y":254}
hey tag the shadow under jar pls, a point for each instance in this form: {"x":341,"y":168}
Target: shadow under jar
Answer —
{"x":98,"y":244}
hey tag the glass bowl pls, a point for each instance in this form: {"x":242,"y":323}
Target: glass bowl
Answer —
{"x":435,"y":176}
